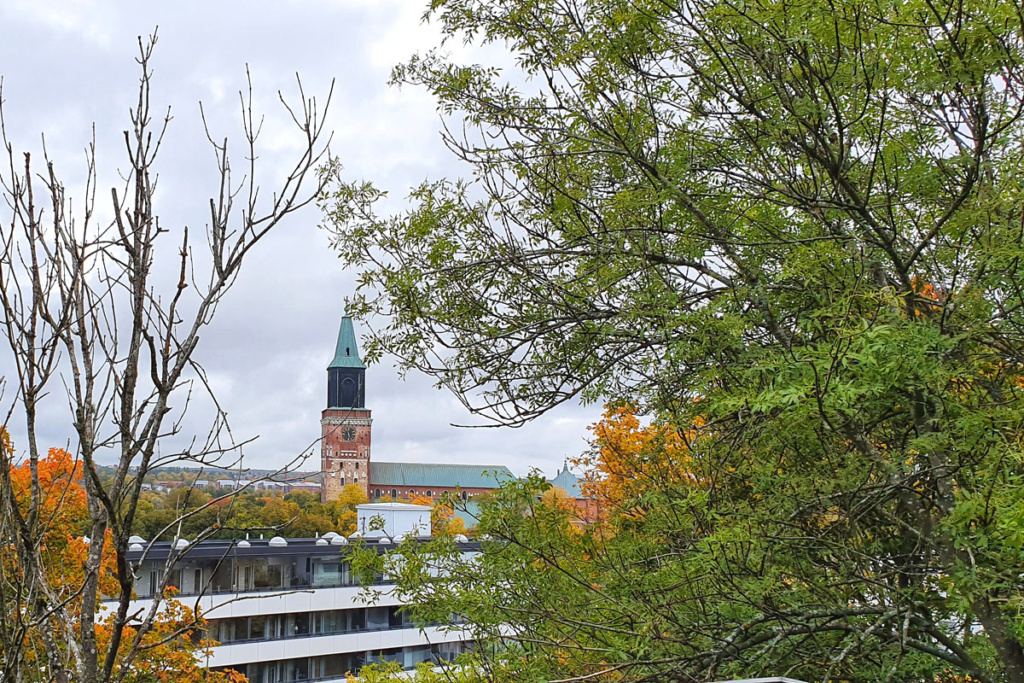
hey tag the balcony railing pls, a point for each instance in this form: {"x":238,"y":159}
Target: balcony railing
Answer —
{"x":341,"y":632}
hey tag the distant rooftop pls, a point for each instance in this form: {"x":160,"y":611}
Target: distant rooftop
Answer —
{"x":441,"y":476}
{"x":568,"y":482}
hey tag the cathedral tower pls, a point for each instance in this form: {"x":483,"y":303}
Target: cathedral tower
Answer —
{"x":345,"y":423}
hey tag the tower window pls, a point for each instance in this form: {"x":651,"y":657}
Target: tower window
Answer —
{"x":355,"y":479}
{"x":343,"y":481}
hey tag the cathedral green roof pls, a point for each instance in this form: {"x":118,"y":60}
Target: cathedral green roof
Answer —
{"x":346,"y":354}
{"x":423,"y":474}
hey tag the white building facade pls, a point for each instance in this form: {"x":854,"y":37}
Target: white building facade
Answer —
{"x":288,"y":610}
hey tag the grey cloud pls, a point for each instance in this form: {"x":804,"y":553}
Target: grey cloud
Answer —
{"x":66,"y":67}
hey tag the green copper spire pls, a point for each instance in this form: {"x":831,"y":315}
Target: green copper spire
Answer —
{"x":346,"y":355}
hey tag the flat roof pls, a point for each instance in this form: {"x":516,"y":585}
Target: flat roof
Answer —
{"x":260,"y":547}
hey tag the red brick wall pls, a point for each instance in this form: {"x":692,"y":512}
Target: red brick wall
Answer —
{"x":410,"y":491}
{"x":344,"y":462}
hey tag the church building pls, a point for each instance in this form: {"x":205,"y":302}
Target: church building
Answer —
{"x":346,"y":429}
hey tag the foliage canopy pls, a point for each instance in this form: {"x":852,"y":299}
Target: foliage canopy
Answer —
{"x":792,"y":233}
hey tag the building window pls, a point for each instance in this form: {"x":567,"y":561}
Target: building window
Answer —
{"x":394,"y":493}
{"x":464,"y":496}
{"x":428,"y":494}
{"x":357,"y":465}
{"x":355,"y":479}
{"x":376,"y":493}
{"x":343,"y":481}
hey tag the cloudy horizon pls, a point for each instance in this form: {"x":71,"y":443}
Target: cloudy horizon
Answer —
{"x":69,"y":65}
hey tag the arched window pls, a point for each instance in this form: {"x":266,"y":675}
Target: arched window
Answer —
{"x":343,"y":481}
{"x":355,"y":479}
{"x":429,"y":495}
{"x":412,"y":493}
{"x":376,"y":493}
{"x":348,"y":393}
{"x":464,"y":496}
{"x":394,"y":493}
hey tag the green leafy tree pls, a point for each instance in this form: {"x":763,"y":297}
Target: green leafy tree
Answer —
{"x":390,"y":671}
{"x":789,"y":231}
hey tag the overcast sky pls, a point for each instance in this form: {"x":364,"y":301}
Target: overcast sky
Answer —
{"x":67,"y":65}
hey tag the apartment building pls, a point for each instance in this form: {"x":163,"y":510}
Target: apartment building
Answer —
{"x":290,"y":609}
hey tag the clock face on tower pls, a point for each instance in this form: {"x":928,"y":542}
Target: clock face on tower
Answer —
{"x":348,"y":434}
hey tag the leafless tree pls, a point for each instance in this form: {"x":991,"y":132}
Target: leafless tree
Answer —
{"x":85,"y":316}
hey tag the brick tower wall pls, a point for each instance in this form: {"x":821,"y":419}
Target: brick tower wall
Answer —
{"x":344,"y":461}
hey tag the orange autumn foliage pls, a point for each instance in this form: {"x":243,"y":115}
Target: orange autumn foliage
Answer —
{"x":628,"y":458}
{"x":442,"y":517}
{"x":62,"y":510}
{"x":558,"y":498}
{"x":171,"y":649}
{"x":926,"y":297}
